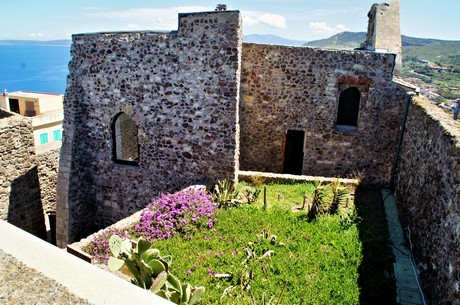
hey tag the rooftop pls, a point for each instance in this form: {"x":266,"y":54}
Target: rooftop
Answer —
{"x":32,"y":94}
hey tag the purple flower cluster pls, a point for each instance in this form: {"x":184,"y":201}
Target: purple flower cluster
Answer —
{"x":181,"y":212}
{"x":99,"y":246}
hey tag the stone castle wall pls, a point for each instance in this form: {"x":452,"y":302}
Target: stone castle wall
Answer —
{"x":428,"y":195}
{"x":48,"y":164}
{"x":20,"y":202}
{"x":182,"y":91}
{"x":292,"y":88}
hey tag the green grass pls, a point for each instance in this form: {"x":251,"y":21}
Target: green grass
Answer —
{"x":320,"y":262}
{"x":342,"y":258}
{"x":322,"y":269}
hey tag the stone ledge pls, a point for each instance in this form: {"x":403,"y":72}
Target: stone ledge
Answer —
{"x":444,"y":119}
{"x":81,"y":279}
{"x":244,"y":175}
{"x":407,"y":288}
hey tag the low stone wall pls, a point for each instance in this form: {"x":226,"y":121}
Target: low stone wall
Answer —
{"x":428,"y":195}
{"x":20,"y":202}
{"x":284,"y":178}
{"x":48,"y":164}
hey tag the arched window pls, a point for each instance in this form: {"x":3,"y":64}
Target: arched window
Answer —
{"x":125,"y":142}
{"x":348,"y":110}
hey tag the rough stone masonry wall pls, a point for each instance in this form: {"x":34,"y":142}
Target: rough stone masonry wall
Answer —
{"x":48,"y":164}
{"x":428,"y":195}
{"x":20,"y":202}
{"x":292,"y":88}
{"x":182,"y":91}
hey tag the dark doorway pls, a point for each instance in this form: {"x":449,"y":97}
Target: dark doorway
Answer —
{"x":293,"y":152}
{"x":14,"y":105}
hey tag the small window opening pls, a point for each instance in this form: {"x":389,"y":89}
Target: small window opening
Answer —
{"x":43,"y":138}
{"x":57,"y":135}
{"x":125,"y":137}
{"x":348,"y":110}
{"x":30,"y":109}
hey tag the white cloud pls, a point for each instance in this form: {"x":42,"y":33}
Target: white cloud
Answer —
{"x":322,"y":28}
{"x":35,"y":35}
{"x":273,"y":20}
{"x":251,"y":18}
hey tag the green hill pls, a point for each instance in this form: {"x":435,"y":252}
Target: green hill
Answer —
{"x":351,"y":40}
{"x":434,"y":65}
{"x":428,"y":63}
{"x":344,"y":40}
{"x":446,"y":54}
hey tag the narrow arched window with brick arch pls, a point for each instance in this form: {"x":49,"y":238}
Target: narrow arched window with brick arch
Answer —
{"x":125,"y":140}
{"x":348,"y":110}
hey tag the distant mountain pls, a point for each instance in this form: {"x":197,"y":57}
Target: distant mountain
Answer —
{"x":272,"y":39}
{"x":344,"y":40}
{"x":61,"y":42}
{"x":351,"y":40}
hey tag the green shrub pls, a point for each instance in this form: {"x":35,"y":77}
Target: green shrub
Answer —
{"x":318,"y":206}
{"x":339,"y":197}
{"x":225,"y":195}
{"x":249,"y":194}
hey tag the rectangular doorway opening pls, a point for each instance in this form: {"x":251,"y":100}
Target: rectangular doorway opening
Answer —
{"x":14,"y":105}
{"x":293,"y":152}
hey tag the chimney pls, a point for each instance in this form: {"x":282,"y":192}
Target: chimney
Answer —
{"x":384,"y":31}
{"x":7,"y":100}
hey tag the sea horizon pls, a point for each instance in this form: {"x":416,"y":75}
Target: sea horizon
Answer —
{"x":38,"y":68}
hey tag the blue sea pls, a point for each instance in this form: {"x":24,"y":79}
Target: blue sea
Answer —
{"x":34,"y":68}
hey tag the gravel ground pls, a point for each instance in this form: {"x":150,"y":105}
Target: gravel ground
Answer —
{"x":21,"y":285}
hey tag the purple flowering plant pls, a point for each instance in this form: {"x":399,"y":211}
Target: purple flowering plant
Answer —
{"x":99,"y":246}
{"x":181,"y":212}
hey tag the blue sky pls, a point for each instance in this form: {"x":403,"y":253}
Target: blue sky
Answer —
{"x":293,"y":19}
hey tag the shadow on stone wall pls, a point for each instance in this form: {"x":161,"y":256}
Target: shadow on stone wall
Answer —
{"x":25,"y":207}
{"x":375,"y":280}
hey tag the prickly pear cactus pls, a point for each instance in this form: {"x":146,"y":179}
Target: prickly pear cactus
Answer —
{"x":150,"y":270}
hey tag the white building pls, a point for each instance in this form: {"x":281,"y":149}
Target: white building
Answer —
{"x":46,"y":111}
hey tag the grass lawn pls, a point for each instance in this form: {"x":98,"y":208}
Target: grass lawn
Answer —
{"x":325,"y":261}
{"x":343,"y":258}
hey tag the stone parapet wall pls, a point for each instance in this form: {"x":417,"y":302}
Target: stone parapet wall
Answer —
{"x":48,"y":164}
{"x":292,"y":88}
{"x":427,"y":187}
{"x":20,"y":202}
{"x":182,"y":91}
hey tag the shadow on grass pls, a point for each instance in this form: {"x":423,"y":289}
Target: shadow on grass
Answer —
{"x":376,"y":276}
